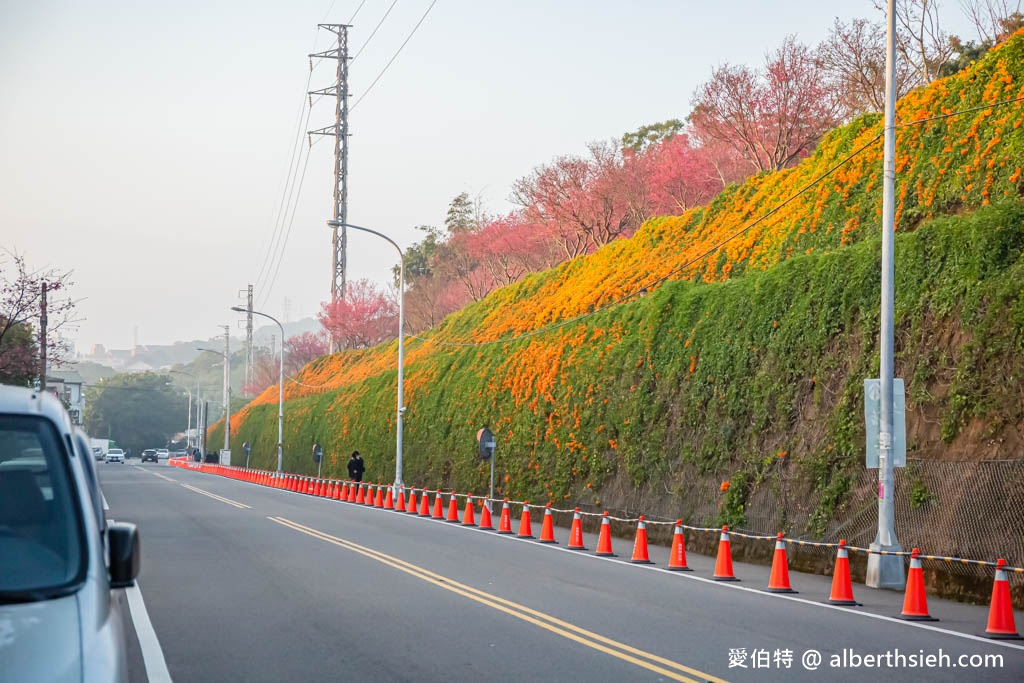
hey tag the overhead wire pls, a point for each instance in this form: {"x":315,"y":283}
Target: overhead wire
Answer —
{"x":393,"y":57}
{"x":373,"y":33}
{"x":713,"y":249}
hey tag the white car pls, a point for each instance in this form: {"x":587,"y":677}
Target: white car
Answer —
{"x":162,"y":454}
{"x":115,"y":455}
{"x":59,"y":562}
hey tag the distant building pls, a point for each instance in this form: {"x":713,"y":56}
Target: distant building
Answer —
{"x":67,"y":385}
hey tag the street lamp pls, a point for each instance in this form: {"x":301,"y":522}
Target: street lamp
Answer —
{"x":401,"y":338}
{"x":188,"y":439}
{"x":280,"y":389}
{"x":227,"y":394}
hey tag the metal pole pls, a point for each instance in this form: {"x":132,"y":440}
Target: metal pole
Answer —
{"x":401,"y":343}
{"x":886,"y":571}
{"x":280,"y":386}
{"x":490,"y":495}
{"x":227,"y":389}
{"x":188,"y":433}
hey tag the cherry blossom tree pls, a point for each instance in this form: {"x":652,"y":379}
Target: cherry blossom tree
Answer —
{"x":365,"y":317}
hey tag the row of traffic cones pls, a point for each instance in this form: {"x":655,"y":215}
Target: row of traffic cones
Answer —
{"x":1000,"y":625}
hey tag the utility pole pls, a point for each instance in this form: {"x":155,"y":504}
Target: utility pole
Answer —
{"x":339,"y":130}
{"x":250,"y":356}
{"x":227,"y":388}
{"x":42,"y":337}
{"x":886,"y":571}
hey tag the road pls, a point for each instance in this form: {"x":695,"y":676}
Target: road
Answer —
{"x":247,"y":583}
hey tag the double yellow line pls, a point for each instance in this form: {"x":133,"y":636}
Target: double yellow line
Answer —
{"x":651,"y":662}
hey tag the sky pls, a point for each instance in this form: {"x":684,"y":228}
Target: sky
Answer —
{"x":146,"y":145}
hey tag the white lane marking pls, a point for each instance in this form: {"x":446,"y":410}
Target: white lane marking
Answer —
{"x":216,"y":497}
{"x":155,"y":474}
{"x":152,"y":654}
{"x":733,"y":586}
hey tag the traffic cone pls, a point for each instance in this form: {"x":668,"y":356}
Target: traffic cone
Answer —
{"x":411,"y":505}
{"x":468,"y":518}
{"x":389,"y":501}
{"x":842,"y":586}
{"x":677,"y":557}
{"x":576,"y":532}
{"x":915,"y":602}
{"x":453,"y":509}
{"x":525,"y":530}
{"x":438,"y":506}
{"x":505,"y":520}
{"x":604,"y":539}
{"x":1000,"y":613}
{"x":360,"y":494}
{"x":354,"y":489}
{"x":378,"y":498}
{"x":547,"y":528}
{"x":424,"y":504}
{"x":485,"y":515}
{"x":778,"y":582}
{"x":341,"y":490}
{"x":640,"y":544}
{"x":400,"y":503}
{"x":723,"y":563}
{"x":318,"y":488}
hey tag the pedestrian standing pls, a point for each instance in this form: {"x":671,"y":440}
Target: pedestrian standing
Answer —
{"x":356,"y":467}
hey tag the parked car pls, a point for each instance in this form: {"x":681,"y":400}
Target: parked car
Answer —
{"x":115,"y":455}
{"x":97,"y":453}
{"x":149,"y":455}
{"x":163,"y":453}
{"x":58,"y":560}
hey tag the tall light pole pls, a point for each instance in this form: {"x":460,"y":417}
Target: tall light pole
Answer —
{"x":886,"y":571}
{"x":401,"y":339}
{"x":188,"y":441}
{"x":280,"y":387}
{"x":227,"y":391}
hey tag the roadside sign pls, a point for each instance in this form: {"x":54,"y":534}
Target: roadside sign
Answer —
{"x":873,"y":421}
{"x":486,"y":444}
{"x":318,"y":453}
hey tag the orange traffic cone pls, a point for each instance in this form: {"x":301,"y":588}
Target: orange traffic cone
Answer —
{"x":915,"y":602}
{"x":842,"y":586}
{"x":505,"y":521}
{"x":410,"y":507}
{"x":640,"y":544}
{"x":677,"y":558}
{"x":328,"y":491}
{"x":576,"y":532}
{"x":525,"y":530}
{"x":604,"y":539}
{"x":361,"y":494}
{"x":1000,"y":613}
{"x":389,"y":501}
{"x":340,"y":490}
{"x":485,"y":515}
{"x":547,"y":528}
{"x":723,"y":563}
{"x":438,"y":506}
{"x":778,"y":582}
{"x":453,"y":509}
{"x":425,"y":504}
{"x":400,"y":503}
{"x":378,"y":498}
{"x":468,"y":519}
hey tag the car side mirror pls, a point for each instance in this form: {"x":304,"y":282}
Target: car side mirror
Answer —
{"x":125,"y":556}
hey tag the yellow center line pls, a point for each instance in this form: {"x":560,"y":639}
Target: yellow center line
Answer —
{"x":156,"y":474}
{"x":565,"y":629}
{"x":216,"y":497}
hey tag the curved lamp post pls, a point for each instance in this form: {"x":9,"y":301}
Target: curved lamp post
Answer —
{"x":188,"y":440}
{"x":401,"y":339}
{"x":280,"y":390}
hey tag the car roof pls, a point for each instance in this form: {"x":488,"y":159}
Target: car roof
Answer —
{"x":24,"y":401}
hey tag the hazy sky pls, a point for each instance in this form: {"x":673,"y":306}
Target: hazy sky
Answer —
{"x":145,"y":145}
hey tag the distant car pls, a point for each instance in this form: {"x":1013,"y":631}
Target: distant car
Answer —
{"x":179,"y":453}
{"x":149,"y":455}
{"x":59,"y":560}
{"x":163,"y":453}
{"x":115,"y":455}
{"x":97,"y":453}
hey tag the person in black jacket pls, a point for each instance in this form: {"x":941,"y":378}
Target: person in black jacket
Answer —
{"x":356,"y":467}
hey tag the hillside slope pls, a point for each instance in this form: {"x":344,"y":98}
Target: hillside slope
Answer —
{"x":743,"y":367}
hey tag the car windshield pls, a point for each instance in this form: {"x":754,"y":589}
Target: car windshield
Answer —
{"x":115,"y":451}
{"x":40,"y":526}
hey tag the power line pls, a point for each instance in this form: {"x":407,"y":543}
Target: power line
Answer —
{"x":394,"y":57}
{"x":373,"y":33}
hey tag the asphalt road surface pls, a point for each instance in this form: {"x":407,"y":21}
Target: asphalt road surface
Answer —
{"x":246,"y":583}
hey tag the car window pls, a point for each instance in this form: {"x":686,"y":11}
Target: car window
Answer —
{"x":41,"y":551}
